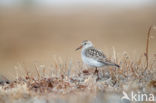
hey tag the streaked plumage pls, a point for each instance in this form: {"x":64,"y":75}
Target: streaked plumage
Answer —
{"x":94,"y":57}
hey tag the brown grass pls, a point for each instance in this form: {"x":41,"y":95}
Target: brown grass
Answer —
{"x":68,"y":81}
{"x":147,"y":45}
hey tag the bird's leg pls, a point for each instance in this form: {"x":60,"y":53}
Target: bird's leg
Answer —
{"x":97,"y":72}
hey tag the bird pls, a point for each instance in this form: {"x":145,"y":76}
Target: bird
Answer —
{"x":94,"y":57}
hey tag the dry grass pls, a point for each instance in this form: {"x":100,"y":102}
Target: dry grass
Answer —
{"x":66,"y":81}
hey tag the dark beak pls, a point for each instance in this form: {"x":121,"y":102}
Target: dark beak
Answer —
{"x":79,"y":48}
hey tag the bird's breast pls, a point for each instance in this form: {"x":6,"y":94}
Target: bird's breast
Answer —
{"x":90,"y":61}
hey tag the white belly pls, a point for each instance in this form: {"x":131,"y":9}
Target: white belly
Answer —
{"x":91,"y":62}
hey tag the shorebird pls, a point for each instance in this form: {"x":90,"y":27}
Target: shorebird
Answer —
{"x":94,"y":57}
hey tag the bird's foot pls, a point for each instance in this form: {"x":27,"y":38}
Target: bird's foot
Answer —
{"x":98,"y":78}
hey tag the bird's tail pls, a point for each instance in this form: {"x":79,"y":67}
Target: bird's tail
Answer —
{"x":111,"y":64}
{"x":116,"y":65}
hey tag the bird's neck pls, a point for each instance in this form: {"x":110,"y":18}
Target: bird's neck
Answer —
{"x":85,"y":48}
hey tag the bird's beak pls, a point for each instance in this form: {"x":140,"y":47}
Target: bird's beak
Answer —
{"x":79,"y":47}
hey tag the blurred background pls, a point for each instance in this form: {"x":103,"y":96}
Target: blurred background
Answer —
{"x":40,"y":30}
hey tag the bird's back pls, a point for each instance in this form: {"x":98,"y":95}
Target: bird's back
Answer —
{"x":92,"y":52}
{"x":94,"y":56}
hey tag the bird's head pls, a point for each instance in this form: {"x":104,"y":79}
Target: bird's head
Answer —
{"x":85,"y":44}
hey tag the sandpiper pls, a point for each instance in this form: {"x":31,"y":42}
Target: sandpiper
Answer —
{"x":94,"y":57}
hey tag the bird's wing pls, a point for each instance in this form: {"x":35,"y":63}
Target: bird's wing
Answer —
{"x":95,"y":54}
{"x":99,"y":56}
{"x":106,"y":61}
